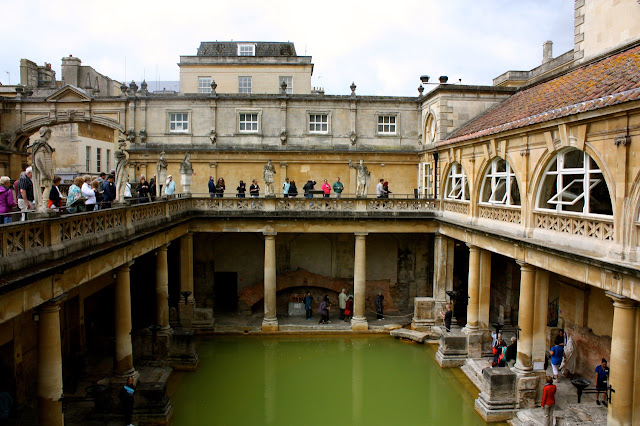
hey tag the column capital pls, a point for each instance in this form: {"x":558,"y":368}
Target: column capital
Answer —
{"x":269,"y":234}
{"x":213,"y":165}
{"x":163,"y":247}
{"x":283,"y":165}
{"x":53,"y":305}
{"x":620,"y":301}
{"x":188,"y":235}
{"x":361,"y":235}
{"x":525,"y":267}
{"x":125,"y":266}
{"x":472,"y":247}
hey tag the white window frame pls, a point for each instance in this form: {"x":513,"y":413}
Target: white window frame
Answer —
{"x":457,"y":184}
{"x":431,"y":128}
{"x":204,"y":84}
{"x":98,"y":159}
{"x":587,"y":181}
{"x":424,"y":182}
{"x":243,"y":87}
{"x":245,"y":117}
{"x":392,"y":124}
{"x":88,"y":159}
{"x":179,"y":122}
{"x":312,"y":120}
{"x":495,"y":178}
{"x":289,"y":83}
{"x":246,"y":49}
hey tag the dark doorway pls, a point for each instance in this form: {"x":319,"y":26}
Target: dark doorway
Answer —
{"x":225,"y":291}
{"x":461,"y":281}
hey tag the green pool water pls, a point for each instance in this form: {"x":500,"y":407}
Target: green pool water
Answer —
{"x":328,"y":380}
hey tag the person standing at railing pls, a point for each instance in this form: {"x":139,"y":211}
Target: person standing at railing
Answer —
{"x":26,"y":201}
{"x":220,"y":187}
{"x":293,"y":189}
{"x":242,"y":188}
{"x":55,"y":197}
{"x":285,"y":187}
{"x":308,"y":187}
{"x":212,"y":187}
{"x":88,"y":193}
{"x":109,"y":191}
{"x":254,"y":189}
{"x":143,"y":190}
{"x":338,"y":187}
{"x":6,"y":199}
{"x":326,"y":188}
{"x":385,"y":188}
{"x":170,"y":186}
{"x":95,"y":185}
{"x":74,"y":194}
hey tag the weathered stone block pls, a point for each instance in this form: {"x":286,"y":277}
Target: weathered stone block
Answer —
{"x":527,"y":391}
{"x":184,"y":355}
{"x":423,"y":313}
{"x":452,"y":351}
{"x":497,"y":402}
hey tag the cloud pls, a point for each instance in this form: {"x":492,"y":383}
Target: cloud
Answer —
{"x":384,"y":47}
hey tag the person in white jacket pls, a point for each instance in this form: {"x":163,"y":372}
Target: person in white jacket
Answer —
{"x":87,"y":192}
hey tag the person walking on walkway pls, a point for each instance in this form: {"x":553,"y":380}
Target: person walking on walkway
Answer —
{"x":127,"y":400}
{"x":323,"y":310}
{"x":342,"y":302}
{"x":556,"y":359}
{"x":380,"y":306}
{"x":348,"y":310}
{"x":548,"y":401}
{"x":602,"y":382}
{"x":308,"y":299}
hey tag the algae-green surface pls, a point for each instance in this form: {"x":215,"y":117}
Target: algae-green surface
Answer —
{"x":328,"y":380}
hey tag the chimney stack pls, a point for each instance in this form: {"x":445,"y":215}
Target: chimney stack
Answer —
{"x":547,"y":51}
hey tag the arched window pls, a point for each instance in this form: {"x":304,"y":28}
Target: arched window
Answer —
{"x":573,"y":182}
{"x":499,"y":185}
{"x":457,"y":187}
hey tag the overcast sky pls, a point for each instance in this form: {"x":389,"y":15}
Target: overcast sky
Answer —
{"x":384,"y":46}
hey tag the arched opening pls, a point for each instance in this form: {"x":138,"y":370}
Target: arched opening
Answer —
{"x":499,"y":185}
{"x":573,"y":183}
{"x":457,"y":185}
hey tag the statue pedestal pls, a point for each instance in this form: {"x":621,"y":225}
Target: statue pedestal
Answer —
{"x":185,"y":179}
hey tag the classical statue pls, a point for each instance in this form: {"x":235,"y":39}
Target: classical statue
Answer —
{"x":185,"y":167}
{"x":161,"y":174}
{"x":268,"y":174}
{"x":122,"y":175}
{"x":362,"y":180}
{"x":42,"y":168}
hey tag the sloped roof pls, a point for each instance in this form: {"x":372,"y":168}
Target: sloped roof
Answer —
{"x":610,"y":81}
{"x":230,"y":48}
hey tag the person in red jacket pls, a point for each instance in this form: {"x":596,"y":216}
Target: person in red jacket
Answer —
{"x":548,"y":401}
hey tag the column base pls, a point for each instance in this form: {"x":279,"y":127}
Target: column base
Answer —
{"x":479,"y":341}
{"x":132,"y":372}
{"x":497,"y":402}
{"x":185,"y":313}
{"x":359,"y":324}
{"x":270,"y":324}
{"x":526,"y":389}
{"x":452,"y":351}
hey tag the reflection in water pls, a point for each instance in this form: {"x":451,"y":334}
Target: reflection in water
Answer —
{"x":293,"y":380}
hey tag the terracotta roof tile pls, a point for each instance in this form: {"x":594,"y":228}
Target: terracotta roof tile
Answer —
{"x":611,"y":81}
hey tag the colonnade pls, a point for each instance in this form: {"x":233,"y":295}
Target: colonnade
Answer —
{"x":359,"y":320}
{"x":49,"y":390}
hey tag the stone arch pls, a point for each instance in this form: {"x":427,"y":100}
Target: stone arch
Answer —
{"x":445,"y":179}
{"x":477,"y":184}
{"x":631,"y":210}
{"x":311,"y":252}
{"x":543,"y":163}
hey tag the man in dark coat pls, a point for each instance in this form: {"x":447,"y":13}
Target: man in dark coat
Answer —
{"x":212,"y":187}
{"x":109,"y":192}
{"x":380,"y":305}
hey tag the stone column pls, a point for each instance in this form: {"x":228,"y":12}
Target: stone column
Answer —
{"x":484,"y":290}
{"x":622,"y":362}
{"x":50,"y":364}
{"x":162,"y":289}
{"x":440,"y":249}
{"x":359,"y":320}
{"x":541,"y":297}
{"x":186,"y":307}
{"x":526,"y":383}
{"x":525,"y":318}
{"x":270,"y":321}
{"x":124,"y":354}
{"x":474,"y":284}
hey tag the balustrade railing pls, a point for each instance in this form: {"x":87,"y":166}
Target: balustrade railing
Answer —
{"x":502,"y":214}
{"x":456,"y":207}
{"x":601,"y":229}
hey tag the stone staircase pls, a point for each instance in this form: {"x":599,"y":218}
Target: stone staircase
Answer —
{"x":473,"y":370}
